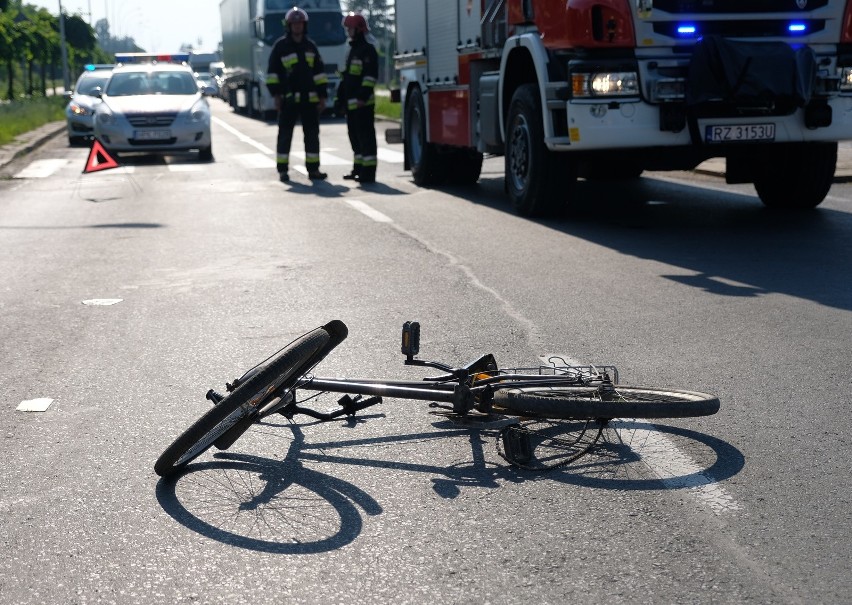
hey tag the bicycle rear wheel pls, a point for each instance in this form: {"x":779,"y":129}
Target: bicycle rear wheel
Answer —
{"x":276,"y":375}
{"x":613,"y":402}
{"x":546,"y":444}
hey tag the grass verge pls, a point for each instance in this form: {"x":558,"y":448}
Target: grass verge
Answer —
{"x":18,"y":117}
{"x":386,"y":109}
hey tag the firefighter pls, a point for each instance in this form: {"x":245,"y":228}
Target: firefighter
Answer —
{"x":356,"y":94}
{"x":296,"y":78}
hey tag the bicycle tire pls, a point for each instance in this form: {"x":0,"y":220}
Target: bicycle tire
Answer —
{"x":280,"y":372}
{"x":621,"y":402}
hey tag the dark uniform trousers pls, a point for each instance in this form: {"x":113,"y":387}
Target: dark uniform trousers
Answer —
{"x":305,"y":112}
{"x":360,"y":123}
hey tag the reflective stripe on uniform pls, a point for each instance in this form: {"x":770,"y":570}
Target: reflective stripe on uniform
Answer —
{"x":289,"y":61}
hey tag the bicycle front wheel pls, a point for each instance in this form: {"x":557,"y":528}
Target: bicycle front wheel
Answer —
{"x":612,"y":402}
{"x":280,"y":373}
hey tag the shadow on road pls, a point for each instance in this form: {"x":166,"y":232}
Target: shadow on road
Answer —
{"x":285,"y":507}
{"x":733,"y":245}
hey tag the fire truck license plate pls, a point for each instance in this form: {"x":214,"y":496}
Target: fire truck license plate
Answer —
{"x":733,"y":133}
{"x":152,"y":135}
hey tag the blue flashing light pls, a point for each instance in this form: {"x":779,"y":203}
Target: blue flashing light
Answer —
{"x":90,"y":67}
{"x":686,"y":29}
{"x":797,"y":28}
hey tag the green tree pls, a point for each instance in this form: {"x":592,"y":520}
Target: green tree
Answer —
{"x":45,"y":41}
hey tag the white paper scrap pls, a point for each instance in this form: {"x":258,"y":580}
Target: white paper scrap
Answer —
{"x":102,"y":302}
{"x":35,"y":405}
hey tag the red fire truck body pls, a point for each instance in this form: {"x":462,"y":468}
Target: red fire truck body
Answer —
{"x":604,"y":89}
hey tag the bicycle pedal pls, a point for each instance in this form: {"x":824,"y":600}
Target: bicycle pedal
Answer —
{"x":411,"y":338}
{"x":516,"y":444}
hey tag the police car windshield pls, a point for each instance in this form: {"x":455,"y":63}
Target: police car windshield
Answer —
{"x":151,"y":83}
{"x":323,"y":28}
{"x":87,"y":86}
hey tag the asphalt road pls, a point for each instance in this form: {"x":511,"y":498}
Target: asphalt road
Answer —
{"x":128,"y":293}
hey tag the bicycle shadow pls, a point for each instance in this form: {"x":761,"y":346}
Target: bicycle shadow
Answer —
{"x":284,"y":507}
{"x":662,"y":457}
{"x":265,"y":505}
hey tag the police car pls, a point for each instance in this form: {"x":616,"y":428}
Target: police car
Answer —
{"x":80,"y":110}
{"x":152,"y":103}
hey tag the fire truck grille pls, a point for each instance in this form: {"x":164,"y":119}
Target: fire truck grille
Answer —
{"x":737,"y":6}
{"x":742,"y":28}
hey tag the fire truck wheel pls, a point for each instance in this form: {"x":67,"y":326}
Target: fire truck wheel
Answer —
{"x":796,"y":176}
{"x":423,"y":156}
{"x":537,"y":183}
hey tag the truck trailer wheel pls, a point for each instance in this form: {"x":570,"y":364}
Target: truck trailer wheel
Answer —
{"x":536,"y":182}
{"x":795,"y":176}
{"x":422,"y":156}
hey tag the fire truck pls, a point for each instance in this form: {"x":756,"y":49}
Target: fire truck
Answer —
{"x":606,"y":89}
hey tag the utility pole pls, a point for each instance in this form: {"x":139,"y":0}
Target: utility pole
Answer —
{"x":66,"y":83}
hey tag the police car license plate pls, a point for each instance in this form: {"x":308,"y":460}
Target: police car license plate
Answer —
{"x":734,"y":133}
{"x":152,"y":135}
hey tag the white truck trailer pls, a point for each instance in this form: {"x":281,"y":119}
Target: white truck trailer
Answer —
{"x":250,"y":29}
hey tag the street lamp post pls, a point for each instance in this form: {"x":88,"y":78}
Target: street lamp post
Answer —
{"x":65,"y":80}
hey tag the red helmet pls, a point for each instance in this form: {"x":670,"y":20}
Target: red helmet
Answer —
{"x":296,"y":15}
{"x":357,"y":22}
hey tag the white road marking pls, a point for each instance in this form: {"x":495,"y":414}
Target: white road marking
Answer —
{"x":40,"y":169}
{"x":390,"y":156}
{"x":35,"y":405}
{"x":255,"y":160}
{"x":186,"y":168}
{"x":369,"y":212}
{"x":242,"y":137}
{"x":326,"y":159}
{"x":674,"y":468}
{"x":102,"y":302}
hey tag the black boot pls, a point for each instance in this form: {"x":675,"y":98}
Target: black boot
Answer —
{"x":316,"y":175}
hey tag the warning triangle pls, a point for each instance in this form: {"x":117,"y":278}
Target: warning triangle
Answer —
{"x":99,"y":159}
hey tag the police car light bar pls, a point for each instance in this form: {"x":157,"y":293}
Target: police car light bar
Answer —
{"x":136,"y":58}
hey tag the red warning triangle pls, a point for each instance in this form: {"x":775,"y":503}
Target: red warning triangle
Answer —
{"x":99,"y":159}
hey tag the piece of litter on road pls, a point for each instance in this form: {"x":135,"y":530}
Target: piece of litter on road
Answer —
{"x":35,"y":405}
{"x":102,"y":302}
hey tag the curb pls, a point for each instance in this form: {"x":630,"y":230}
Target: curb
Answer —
{"x":28,"y":142}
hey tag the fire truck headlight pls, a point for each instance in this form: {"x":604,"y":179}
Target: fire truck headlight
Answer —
{"x":605,"y":84}
{"x":846,"y":79}
{"x":616,"y":83}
